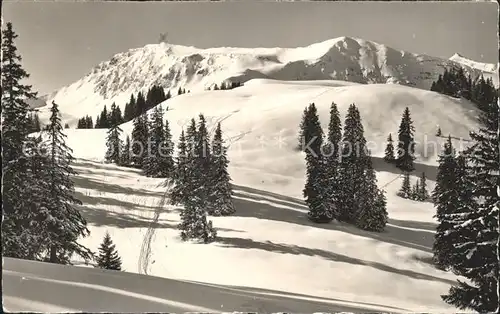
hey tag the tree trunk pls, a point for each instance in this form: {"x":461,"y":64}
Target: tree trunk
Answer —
{"x":53,"y":254}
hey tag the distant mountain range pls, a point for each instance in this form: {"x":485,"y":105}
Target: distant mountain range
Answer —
{"x":173,"y":66}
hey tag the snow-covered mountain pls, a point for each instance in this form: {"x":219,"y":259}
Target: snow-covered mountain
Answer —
{"x":485,"y":67}
{"x":174,"y":66}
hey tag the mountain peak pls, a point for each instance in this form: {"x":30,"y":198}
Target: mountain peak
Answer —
{"x":172,"y":66}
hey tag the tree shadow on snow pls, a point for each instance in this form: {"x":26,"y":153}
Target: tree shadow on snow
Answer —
{"x":92,"y":184}
{"x":429,"y":226}
{"x":380,"y":165}
{"x":96,"y":200}
{"x":334,"y":257}
{"x":264,"y":208}
{"x":102,"y":217}
{"x":86,"y":163}
{"x":94,"y":172}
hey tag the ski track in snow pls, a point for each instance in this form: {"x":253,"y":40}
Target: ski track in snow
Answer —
{"x":145,"y":252}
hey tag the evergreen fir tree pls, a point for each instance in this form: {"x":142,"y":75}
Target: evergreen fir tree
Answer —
{"x":104,"y":118}
{"x":475,"y":231}
{"x":406,"y":144}
{"x":108,"y":257}
{"x":140,"y":105}
{"x":37,"y":125}
{"x":16,"y":235}
{"x":20,"y":230}
{"x":316,"y":188}
{"x":302,"y":135}
{"x":353,"y":166}
{"x":190,"y":139}
{"x":90,"y":123}
{"x":221,"y":199}
{"x":332,"y":156}
{"x":180,"y":172}
{"x":139,"y":139}
{"x":203,"y":163}
{"x":195,"y":190}
{"x":64,"y":223}
{"x":415,"y":192}
{"x":114,"y":145}
{"x":405,"y":191}
{"x":445,"y":197}
{"x":423,"y":195}
{"x":130,"y":109}
{"x":167,"y":164}
{"x":98,"y":122}
{"x":159,"y":162}
{"x":125,"y":153}
{"x":373,"y":216}
{"x":389,"y":150}
{"x":439,"y":133}
{"x":15,"y":123}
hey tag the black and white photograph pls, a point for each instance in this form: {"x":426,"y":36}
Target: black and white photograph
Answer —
{"x":250,"y":156}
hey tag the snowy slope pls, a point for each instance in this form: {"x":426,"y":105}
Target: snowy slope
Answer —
{"x":269,"y":243}
{"x":173,"y":66}
{"x":75,"y":289}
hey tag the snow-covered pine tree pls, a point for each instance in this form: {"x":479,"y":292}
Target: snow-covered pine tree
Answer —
{"x":389,"y":150}
{"x":476,"y":257}
{"x":180,"y":173}
{"x":445,"y":198}
{"x":104,"y":118}
{"x":191,"y":189}
{"x":140,"y":105}
{"x":190,"y":139}
{"x":316,"y":188}
{"x":332,"y":156}
{"x":405,"y":191}
{"x":423,"y":194}
{"x":302,"y":135}
{"x":114,"y":145}
{"x":203,"y":163}
{"x":64,"y":223}
{"x":406,"y":144}
{"x":139,"y":144}
{"x":352,"y":167}
{"x":194,"y":223}
{"x":439,"y":133}
{"x":108,"y":257}
{"x":415,"y":191}
{"x":97,"y":122}
{"x":21,"y":228}
{"x":373,"y":213}
{"x":152,"y":162}
{"x":130,"y":109}
{"x":221,"y":201}
{"x":115,"y":116}
{"x":125,"y":153}
{"x":167,"y":164}
{"x":14,"y":131}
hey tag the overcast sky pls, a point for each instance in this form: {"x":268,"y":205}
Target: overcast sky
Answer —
{"x":61,"y":41}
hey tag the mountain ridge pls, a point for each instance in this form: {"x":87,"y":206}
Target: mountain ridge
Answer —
{"x":173,"y":66}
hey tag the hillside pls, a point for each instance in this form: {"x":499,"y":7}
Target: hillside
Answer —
{"x":174,"y":66}
{"x":269,"y":243}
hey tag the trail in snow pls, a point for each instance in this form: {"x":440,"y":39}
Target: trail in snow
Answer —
{"x":145,"y":253}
